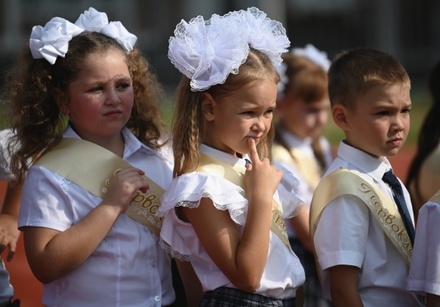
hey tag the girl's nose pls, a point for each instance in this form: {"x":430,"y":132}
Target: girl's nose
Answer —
{"x":259,"y":124}
{"x":112,"y":97}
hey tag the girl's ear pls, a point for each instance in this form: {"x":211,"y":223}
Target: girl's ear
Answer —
{"x":339,"y":114}
{"x":61,"y":100}
{"x":208,"y":106}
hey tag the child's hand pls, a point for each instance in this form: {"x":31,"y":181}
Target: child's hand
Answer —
{"x":9,"y":234}
{"x":123,"y":186}
{"x":261,"y":178}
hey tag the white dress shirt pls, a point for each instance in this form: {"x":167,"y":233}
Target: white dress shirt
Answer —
{"x":348,"y":234}
{"x":128,"y":268}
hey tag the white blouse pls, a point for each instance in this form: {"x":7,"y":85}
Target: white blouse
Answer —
{"x":283,"y":272}
{"x":128,"y":268}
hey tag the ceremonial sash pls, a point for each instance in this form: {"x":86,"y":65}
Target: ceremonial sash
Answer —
{"x":307,"y":166}
{"x":235,"y":174}
{"x":91,"y":166}
{"x":436,"y":198}
{"x":345,"y":182}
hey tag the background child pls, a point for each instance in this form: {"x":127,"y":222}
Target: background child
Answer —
{"x":223,"y":214}
{"x":299,"y":147}
{"x":362,"y":262}
{"x":9,"y":232}
{"x":84,"y":85}
{"x":424,"y":173}
{"x":424,"y":273}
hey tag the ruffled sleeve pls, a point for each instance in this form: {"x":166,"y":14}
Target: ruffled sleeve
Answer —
{"x":187,"y":191}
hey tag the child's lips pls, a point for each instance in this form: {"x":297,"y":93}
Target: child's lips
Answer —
{"x":113,"y":112}
{"x":256,"y":138}
{"x":395,"y":141}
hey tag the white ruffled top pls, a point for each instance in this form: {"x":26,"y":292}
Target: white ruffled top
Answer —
{"x":283,"y":272}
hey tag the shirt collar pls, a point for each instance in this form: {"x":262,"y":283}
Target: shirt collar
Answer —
{"x":132,"y":144}
{"x":374,"y":167}
{"x":223,"y":156}
{"x":293,"y":141}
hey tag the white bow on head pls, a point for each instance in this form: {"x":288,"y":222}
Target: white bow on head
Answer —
{"x":207,"y":51}
{"x":94,"y":21}
{"x":314,"y":54}
{"x":53,"y":39}
{"x":265,"y":34}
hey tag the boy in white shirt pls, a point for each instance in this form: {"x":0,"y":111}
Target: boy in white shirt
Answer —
{"x":362,"y":242}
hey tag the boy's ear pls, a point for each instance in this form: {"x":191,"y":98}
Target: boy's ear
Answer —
{"x":339,"y":114}
{"x":61,"y":100}
{"x":208,"y":105}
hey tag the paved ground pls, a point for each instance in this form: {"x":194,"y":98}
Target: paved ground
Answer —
{"x":29,"y":290}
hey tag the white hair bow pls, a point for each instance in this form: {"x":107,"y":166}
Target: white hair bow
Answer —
{"x":315,"y":55}
{"x":94,"y":21}
{"x":265,"y":34}
{"x":52,"y":40}
{"x":207,"y":51}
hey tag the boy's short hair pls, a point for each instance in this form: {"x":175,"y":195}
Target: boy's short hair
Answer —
{"x":356,"y":71}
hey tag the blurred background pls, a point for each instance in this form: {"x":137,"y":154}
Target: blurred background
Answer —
{"x":408,"y":29}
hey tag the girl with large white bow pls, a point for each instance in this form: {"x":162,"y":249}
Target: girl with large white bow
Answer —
{"x":223,"y":213}
{"x":85,"y":84}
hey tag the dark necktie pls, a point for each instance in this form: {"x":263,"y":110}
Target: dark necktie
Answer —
{"x":395,"y":185}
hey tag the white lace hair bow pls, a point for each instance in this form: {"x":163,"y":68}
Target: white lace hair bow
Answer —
{"x":265,"y":34}
{"x":207,"y":51}
{"x":52,"y":40}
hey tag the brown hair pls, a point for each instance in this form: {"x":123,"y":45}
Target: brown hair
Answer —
{"x":308,"y":81}
{"x":305,"y":79}
{"x":188,"y":119}
{"x":35,"y":116}
{"x":356,"y":71}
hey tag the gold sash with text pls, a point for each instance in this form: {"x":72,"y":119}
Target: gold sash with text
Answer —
{"x":91,"y":166}
{"x":345,"y":182}
{"x":235,"y":174}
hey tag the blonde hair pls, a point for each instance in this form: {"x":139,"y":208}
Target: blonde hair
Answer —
{"x":188,"y":118}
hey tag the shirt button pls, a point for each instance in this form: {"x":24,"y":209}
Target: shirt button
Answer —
{"x":157,"y":298}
